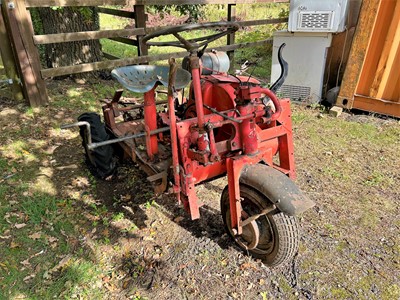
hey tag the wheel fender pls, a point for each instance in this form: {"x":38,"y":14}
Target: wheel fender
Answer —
{"x":277,"y":187}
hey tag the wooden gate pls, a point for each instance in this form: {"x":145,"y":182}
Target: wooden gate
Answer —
{"x":24,"y":42}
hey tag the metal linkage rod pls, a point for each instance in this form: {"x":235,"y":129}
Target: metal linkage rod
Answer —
{"x":92,"y":146}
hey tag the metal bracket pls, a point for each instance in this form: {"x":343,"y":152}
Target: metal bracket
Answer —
{"x":255,"y":217}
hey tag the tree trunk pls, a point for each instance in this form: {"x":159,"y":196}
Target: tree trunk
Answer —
{"x":70,"y":19}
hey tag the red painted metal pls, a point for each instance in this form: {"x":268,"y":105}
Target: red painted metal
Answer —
{"x":270,"y":137}
{"x":234,"y":166}
{"x":197,"y":91}
{"x":277,"y":103}
{"x":248,"y":130}
{"x":150,"y":119}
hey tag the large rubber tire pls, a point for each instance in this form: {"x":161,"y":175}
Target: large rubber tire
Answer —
{"x":100,"y":160}
{"x":278,"y":233}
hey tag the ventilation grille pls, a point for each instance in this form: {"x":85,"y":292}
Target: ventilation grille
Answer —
{"x":295,"y":92}
{"x":315,"y":20}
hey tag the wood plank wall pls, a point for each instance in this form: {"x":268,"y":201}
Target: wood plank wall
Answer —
{"x":371,"y":81}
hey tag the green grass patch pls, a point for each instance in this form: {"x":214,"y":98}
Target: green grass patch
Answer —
{"x":40,"y":207}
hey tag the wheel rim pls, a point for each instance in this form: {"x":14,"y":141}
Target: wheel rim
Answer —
{"x":258,"y":236}
{"x":266,"y":239}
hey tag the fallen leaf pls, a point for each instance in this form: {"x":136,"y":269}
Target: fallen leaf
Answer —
{"x":46,"y":275}
{"x":61,"y":264}
{"x":35,"y":236}
{"x":51,"y":239}
{"x":178,"y":219}
{"x":14,"y":245}
{"x":125,"y":284}
{"x":5,"y":237}
{"x":25,"y":263}
{"x":18,"y":226}
{"x":39,"y":253}
{"x":29,"y":277}
{"x":6,"y":217}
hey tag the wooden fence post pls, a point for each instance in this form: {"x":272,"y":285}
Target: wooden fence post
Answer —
{"x":231,"y":37}
{"x":19,"y":26}
{"x":8,"y":59}
{"x":140,"y":22}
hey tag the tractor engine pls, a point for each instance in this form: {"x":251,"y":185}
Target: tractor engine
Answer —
{"x":230,"y":97}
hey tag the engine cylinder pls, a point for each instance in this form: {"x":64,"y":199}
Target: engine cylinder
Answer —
{"x":215,"y":62}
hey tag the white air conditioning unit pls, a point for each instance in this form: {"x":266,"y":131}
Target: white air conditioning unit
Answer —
{"x":305,"y":53}
{"x":317,"y":15}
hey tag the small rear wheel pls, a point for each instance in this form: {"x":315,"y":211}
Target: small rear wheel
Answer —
{"x":100,"y":160}
{"x":273,"y":237}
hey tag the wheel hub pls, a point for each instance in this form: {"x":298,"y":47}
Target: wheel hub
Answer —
{"x":250,"y":236}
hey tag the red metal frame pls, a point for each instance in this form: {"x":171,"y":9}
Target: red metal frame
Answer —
{"x":229,"y":128}
{"x":272,"y":138}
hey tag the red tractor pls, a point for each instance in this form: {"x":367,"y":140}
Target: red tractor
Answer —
{"x":228,"y":125}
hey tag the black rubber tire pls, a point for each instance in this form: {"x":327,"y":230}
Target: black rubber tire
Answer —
{"x":100,"y":160}
{"x":279,"y":233}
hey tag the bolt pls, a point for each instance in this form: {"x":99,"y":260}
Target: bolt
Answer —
{"x":11,"y":5}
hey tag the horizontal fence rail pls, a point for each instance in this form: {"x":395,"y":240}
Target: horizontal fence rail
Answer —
{"x":86,"y":35}
{"x":101,"y":65}
{"x":49,"y":3}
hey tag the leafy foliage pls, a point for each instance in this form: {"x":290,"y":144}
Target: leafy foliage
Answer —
{"x":193,"y":10}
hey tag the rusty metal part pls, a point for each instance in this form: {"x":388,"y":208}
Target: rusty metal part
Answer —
{"x":222,"y":115}
{"x":172,"y":118}
{"x":250,"y":236}
{"x":136,"y":106}
{"x":256,"y":216}
{"x":159,"y":188}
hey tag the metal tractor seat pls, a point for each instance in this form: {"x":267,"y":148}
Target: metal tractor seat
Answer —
{"x":142,"y":78}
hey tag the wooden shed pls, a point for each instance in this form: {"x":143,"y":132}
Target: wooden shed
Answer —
{"x":371,"y":81}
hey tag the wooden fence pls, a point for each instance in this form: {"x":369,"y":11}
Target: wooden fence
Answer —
{"x":22,"y":44}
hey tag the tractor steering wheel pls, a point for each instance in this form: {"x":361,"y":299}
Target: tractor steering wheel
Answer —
{"x":192,"y":44}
